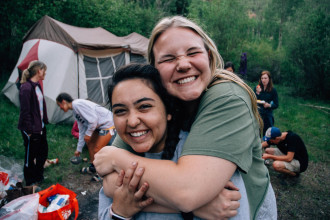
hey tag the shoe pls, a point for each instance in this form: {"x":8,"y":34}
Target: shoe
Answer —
{"x":89,"y":170}
{"x":75,"y":160}
{"x":96,"y":178}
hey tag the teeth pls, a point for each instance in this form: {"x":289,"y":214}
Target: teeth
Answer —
{"x":186,"y":80}
{"x":138,"y":134}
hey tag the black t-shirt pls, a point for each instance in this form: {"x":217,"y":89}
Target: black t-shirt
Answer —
{"x":293,"y":143}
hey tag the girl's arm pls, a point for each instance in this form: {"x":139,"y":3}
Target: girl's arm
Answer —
{"x":186,"y":186}
{"x":224,"y":205}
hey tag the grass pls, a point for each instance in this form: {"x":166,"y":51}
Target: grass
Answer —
{"x":304,"y":198}
{"x":312,"y":124}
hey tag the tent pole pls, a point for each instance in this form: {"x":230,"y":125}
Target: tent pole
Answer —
{"x":78,"y":73}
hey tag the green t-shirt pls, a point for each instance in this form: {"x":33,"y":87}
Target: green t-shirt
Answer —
{"x":225,"y":127}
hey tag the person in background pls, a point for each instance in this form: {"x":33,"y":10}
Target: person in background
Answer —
{"x":230,"y":67}
{"x":95,"y":125}
{"x":32,"y":122}
{"x":267,"y":99}
{"x":243,"y":66}
{"x":290,"y":156}
{"x":75,"y":130}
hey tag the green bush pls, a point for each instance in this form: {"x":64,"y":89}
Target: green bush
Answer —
{"x":261,"y":56}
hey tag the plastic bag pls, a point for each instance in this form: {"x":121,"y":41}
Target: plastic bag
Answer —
{"x":4,"y":180}
{"x":13,"y":168}
{"x":25,"y":207}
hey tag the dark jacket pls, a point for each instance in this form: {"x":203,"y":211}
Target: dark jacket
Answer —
{"x":29,"y":117}
{"x":269,"y":97}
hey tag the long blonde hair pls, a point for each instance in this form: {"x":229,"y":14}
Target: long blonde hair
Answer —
{"x":216,"y":62}
{"x":32,"y":70}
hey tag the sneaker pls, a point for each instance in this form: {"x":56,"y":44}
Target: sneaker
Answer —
{"x":96,"y":178}
{"x":90,"y":170}
{"x":75,"y":160}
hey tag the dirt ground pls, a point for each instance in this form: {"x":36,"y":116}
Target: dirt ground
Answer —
{"x":87,"y":195}
{"x":304,"y":197}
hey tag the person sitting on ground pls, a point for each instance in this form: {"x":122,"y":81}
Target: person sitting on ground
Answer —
{"x":290,"y":156}
{"x":95,"y":125}
{"x":230,"y":67}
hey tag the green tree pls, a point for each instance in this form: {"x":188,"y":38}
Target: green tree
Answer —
{"x":276,"y":14}
{"x":226,"y":22}
{"x":309,"y":49}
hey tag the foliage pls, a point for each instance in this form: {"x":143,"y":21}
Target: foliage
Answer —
{"x":309,"y":49}
{"x":263,"y":57}
{"x":308,"y":118}
{"x":226,"y":27}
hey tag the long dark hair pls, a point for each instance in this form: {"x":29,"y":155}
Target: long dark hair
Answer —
{"x":152,"y":78}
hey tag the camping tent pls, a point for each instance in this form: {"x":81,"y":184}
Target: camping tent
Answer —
{"x":80,"y":61}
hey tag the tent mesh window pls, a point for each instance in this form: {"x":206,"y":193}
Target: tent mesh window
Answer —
{"x":99,"y":73}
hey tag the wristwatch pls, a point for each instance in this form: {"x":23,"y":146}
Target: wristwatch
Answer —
{"x":114,"y":216}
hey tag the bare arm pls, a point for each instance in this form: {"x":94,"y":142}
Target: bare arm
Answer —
{"x":180,"y":186}
{"x":287,"y":158}
{"x":224,"y":205}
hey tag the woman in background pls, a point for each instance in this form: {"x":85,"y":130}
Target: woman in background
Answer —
{"x":267,"y":99}
{"x":32,"y":121}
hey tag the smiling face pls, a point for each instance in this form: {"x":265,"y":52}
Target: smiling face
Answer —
{"x":183,"y":63}
{"x":139,"y":115}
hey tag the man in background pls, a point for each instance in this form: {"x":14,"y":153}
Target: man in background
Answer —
{"x":290,"y":156}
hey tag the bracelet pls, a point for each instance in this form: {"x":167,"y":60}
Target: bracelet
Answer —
{"x":114,"y":216}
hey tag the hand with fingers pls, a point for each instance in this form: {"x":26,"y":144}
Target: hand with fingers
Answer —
{"x":101,"y":160}
{"x":128,"y":198}
{"x":223,"y":206}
